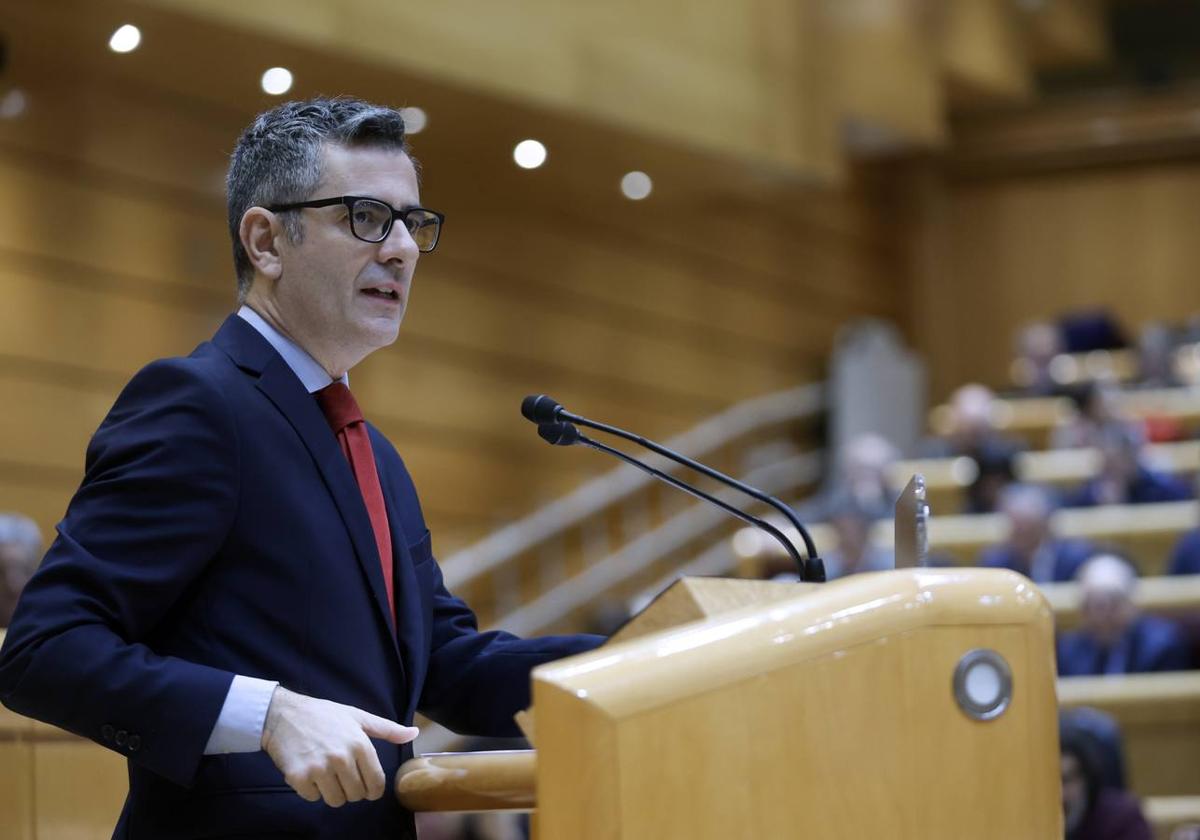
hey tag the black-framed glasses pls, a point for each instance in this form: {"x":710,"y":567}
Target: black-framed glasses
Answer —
{"x":371,"y":219}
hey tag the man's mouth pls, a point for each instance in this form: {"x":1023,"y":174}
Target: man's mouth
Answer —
{"x":385,"y":294}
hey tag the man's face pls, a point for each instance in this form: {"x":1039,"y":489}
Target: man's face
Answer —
{"x":1107,"y":613}
{"x":1029,"y":529}
{"x":328,"y":295}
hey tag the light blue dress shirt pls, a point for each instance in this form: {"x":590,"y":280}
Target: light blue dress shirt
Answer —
{"x":239,"y":727}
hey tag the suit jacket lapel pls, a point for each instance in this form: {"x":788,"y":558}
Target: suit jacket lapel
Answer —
{"x":276,"y":380}
{"x":411,"y":630}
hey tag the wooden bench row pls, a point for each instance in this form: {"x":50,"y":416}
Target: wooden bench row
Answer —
{"x":1147,"y":533}
{"x":1034,"y":418}
{"x":946,"y":479}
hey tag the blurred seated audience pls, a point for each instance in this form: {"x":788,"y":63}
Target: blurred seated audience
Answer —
{"x":1031,"y":548}
{"x":855,"y":552}
{"x":1037,"y":345}
{"x":1114,"y":637}
{"x":20,"y":553}
{"x":1096,"y":409}
{"x":1091,"y":809}
{"x":1124,"y":476}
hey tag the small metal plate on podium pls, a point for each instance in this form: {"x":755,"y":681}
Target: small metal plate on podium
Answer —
{"x":912,"y":525}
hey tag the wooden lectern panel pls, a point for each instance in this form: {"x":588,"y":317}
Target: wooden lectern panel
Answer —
{"x":828,"y":715}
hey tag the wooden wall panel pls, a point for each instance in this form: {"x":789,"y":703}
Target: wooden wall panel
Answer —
{"x":113,"y":252}
{"x":995,"y":253}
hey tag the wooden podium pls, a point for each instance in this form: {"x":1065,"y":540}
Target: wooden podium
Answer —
{"x":916,"y":703}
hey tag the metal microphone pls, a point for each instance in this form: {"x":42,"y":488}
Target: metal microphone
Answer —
{"x":548,"y":412}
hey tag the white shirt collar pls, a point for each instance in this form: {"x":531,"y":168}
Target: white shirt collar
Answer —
{"x":310,"y":373}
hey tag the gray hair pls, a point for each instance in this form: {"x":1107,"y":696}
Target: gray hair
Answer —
{"x":21,"y":531}
{"x":278,"y":158}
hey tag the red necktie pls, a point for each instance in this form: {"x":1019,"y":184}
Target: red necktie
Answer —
{"x":346,"y":420}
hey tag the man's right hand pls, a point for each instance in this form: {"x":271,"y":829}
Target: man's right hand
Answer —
{"x":323,"y":748}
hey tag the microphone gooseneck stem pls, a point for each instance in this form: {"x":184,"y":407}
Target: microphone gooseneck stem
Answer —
{"x":815,"y":574}
{"x":699,"y":494}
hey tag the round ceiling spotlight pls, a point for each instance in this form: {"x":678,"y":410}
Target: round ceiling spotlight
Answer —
{"x":636,"y":185}
{"x":415,"y":119}
{"x":13,"y":104}
{"x":529,"y":154}
{"x":125,"y":39}
{"x":277,"y":81}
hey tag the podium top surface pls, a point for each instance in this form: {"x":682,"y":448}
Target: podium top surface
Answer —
{"x":657,"y":669}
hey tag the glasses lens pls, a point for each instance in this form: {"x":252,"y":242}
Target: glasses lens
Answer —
{"x":424,"y":226}
{"x":370,"y":220}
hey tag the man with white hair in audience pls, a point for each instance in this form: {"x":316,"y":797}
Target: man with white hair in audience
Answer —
{"x":1031,"y":548}
{"x":20,"y":550}
{"x":1115,"y":638}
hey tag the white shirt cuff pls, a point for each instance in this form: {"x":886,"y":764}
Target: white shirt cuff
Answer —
{"x":239,"y":727}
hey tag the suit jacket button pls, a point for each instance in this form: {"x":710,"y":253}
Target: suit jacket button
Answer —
{"x":107,"y":731}
{"x":135,"y":741}
{"x":122,"y":735}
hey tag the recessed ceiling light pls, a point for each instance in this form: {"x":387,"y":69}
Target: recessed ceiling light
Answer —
{"x":529,"y":154}
{"x":277,"y":80}
{"x":636,"y":185}
{"x":12,"y":104}
{"x":415,"y":119}
{"x":125,"y":39}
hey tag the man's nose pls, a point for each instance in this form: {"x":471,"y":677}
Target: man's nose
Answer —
{"x":398,"y":245}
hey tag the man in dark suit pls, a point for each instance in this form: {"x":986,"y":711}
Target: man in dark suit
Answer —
{"x":242,"y":597}
{"x":1114,"y":637}
{"x":1031,"y":548}
{"x":1124,"y":477}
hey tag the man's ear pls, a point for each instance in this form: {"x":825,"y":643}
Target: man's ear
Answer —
{"x":259,"y":230}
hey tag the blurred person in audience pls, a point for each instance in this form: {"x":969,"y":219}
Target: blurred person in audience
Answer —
{"x":1092,"y":810}
{"x":1125,"y":477}
{"x":860,"y":475}
{"x":864,"y":474}
{"x":1185,"y":556}
{"x":995,"y":471}
{"x":20,"y":550}
{"x":1096,"y":408}
{"x":855,"y":551}
{"x":970,"y":432}
{"x":1156,"y":357}
{"x":1031,"y":548}
{"x":1114,"y":637}
{"x":1037,"y":345}
{"x":1103,"y":729}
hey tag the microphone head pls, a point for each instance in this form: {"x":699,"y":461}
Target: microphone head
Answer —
{"x":540,"y":408}
{"x":558,"y":434}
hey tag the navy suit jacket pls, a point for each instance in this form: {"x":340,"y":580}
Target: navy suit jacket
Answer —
{"x":219,"y":531}
{"x":1069,"y":555}
{"x":1148,"y":487}
{"x":1152,"y":644}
